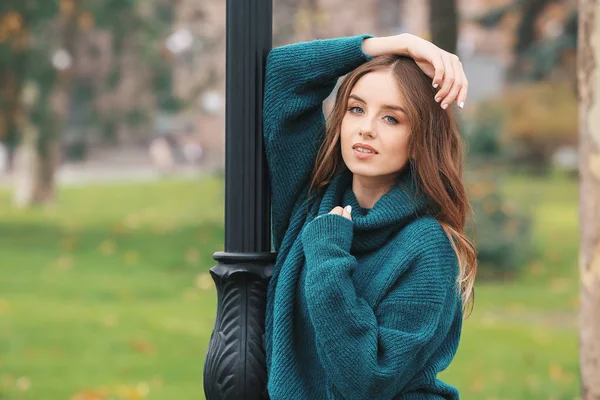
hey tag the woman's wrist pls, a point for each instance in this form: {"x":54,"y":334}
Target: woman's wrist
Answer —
{"x":378,"y":46}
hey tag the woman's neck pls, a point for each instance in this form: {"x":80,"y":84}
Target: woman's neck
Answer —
{"x":368,"y":190}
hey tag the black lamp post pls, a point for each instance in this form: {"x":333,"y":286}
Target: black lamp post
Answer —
{"x":235,"y":366}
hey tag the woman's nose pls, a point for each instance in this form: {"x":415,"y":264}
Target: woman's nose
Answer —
{"x":367,"y":129}
{"x":368,"y":126}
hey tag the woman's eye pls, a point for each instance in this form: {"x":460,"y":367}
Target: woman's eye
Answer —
{"x":391,"y":119}
{"x":356,"y":110}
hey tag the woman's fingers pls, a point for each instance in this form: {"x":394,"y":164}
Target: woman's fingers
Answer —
{"x":438,"y":66}
{"x":337,"y":210}
{"x":454,"y":82}
{"x":344,"y":212}
{"x":448,"y":80}
{"x":457,"y":84}
{"x":462,"y":94}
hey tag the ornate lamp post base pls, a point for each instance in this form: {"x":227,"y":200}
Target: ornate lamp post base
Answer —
{"x":235,"y":362}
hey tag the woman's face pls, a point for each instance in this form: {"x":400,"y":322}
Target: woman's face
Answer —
{"x":374,"y":117}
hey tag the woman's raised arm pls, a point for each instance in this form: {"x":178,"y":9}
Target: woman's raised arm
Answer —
{"x":445,"y":69}
{"x":299,"y":77}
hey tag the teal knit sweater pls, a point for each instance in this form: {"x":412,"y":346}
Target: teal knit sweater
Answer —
{"x":364,"y":309}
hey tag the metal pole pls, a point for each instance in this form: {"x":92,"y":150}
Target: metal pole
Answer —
{"x":235,"y":365}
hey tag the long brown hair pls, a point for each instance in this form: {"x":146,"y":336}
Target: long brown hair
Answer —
{"x":435,"y":151}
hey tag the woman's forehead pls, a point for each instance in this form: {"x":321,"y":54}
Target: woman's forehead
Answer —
{"x":378,"y":87}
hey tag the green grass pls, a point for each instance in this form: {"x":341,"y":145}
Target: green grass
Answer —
{"x":102,"y":291}
{"x":106,"y":293}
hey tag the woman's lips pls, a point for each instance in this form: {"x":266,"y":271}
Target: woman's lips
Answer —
{"x":363,"y":155}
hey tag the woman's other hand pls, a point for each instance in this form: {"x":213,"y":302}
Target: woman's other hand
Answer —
{"x":344,"y":212}
{"x":444,"y":68}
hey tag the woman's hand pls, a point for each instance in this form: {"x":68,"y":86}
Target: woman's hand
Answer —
{"x":344,"y":212}
{"x":444,"y":68}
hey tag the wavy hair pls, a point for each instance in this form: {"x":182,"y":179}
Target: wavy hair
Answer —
{"x":436,"y":156}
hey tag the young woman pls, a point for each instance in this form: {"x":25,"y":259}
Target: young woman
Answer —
{"x":373,"y":270}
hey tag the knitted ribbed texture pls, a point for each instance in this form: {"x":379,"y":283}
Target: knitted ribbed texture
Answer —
{"x":359,"y":309}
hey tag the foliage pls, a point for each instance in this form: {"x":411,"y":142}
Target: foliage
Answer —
{"x":524,"y":126}
{"x":32,"y":32}
{"x":540,"y":118}
{"x":502,"y":233}
{"x":483,"y":133}
{"x":536,"y":57}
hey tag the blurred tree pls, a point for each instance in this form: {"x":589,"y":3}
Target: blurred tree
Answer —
{"x":443,"y":23}
{"x":503,"y":234}
{"x":41,"y":47}
{"x":36,"y":47}
{"x":531,"y":9}
{"x":539,"y":119}
{"x":535,"y":58}
{"x":59,"y":88}
{"x":589,"y":214}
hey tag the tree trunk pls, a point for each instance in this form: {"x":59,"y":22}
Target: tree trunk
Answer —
{"x":443,"y":24}
{"x":49,"y":144}
{"x":526,"y":30}
{"x":48,"y":163}
{"x":525,"y":38}
{"x":25,"y":167}
{"x":589,"y":195}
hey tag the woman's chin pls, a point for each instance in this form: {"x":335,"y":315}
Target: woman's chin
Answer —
{"x":362,"y":171}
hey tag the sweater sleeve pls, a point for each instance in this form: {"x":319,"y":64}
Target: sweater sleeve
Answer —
{"x":298,"y":78}
{"x":374,"y":353}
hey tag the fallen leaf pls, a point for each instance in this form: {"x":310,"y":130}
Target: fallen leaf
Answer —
{"x":533,"y":381}
{"x":537,"y":268}
{"x":192,"y":255}
{"x":131,"y":257}
{"x":68,"y":243}
{"x":560,"y":285}
{"x":555,"y":372}
{"x":91,"y":394}
{"x":140,"y":391}
{"x":64,"y":262}
{"x":107,"y":247}
{"x":204,"y":281}
{"x":142,"y":346}
{"x":110,"y":320}
{"x":23,"y":384}
{"x":4,"y":306}
{"x":118,"y":228}
{"x":132,"y":221}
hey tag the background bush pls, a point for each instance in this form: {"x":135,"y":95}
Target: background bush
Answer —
{"x":524,"y":126}
{"x":502,"y":233}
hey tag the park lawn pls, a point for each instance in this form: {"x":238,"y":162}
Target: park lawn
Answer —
{"x":521,"y":342}
{"x":107,"y":294}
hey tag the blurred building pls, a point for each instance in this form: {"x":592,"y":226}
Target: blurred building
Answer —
{"x":196,"y":48}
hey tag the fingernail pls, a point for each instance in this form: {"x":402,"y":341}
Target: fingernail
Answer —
{"x":348,"y":209}
{"x":435,"y":85}
{"x":462,"y":104}
{"x":444,"y":106}
{"x":437,"y":99}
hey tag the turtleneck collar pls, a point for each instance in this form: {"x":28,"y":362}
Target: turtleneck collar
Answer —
{"x":403,"y":203}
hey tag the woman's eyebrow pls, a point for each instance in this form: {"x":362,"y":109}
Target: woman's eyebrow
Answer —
{"x":384,"y":106}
